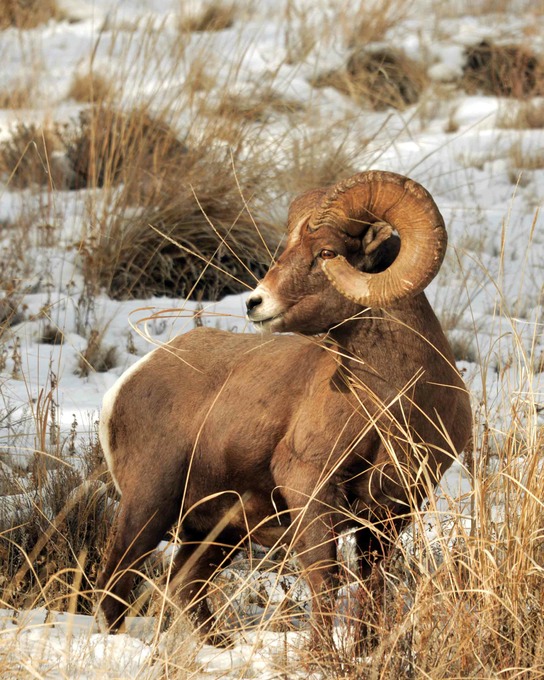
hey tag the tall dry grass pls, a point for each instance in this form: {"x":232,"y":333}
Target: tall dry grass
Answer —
{"x":54,"y":508}
{"x":26,"y":14}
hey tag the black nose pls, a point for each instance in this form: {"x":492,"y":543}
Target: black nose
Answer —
{"x":253,"y":301}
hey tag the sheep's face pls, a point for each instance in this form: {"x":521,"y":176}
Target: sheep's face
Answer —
{"x":296,"y":295}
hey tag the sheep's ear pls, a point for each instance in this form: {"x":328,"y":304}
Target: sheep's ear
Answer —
{"x":376,"y":234}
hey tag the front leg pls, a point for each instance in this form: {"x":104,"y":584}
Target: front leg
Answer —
{"x":314,"y":502}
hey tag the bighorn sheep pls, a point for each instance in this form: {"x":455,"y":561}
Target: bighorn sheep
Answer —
{"x":288,"y":437}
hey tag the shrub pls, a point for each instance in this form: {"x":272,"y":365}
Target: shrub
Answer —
{"x":378,"y":78}
{"x":194,"y":239}
{"x":213,"y":16}
{"x":28,"y":13}
{"x":178,"y":224}
{"x":503,"y":71}
{"x":111,"y":146}
{"x":60,"y":535}
{"x":89,"y":88}
{"x":28,"y":157}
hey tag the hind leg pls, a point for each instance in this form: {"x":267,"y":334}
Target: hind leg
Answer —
{"x":196,"y":561}
{"x":139,"y":527}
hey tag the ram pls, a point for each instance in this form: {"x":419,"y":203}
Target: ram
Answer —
{"x":340,"y":424}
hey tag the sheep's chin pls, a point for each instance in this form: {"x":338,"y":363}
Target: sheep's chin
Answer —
{"x":269,"y":325}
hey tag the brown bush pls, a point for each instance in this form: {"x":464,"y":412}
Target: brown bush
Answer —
{"x":27,"y":158}
{"x":68,"y":512}
{"x":193,"y":239}
{"x":89,"y":88}
{"x":177,"y":226}
{"x":503,"y":71}
{"x":378,"y":79}
{"x":213,"y":17}
{"x":111,"y":146}
{"x":16,"y":96}
{"x":28,"y":13}
{"x":257,"y":106}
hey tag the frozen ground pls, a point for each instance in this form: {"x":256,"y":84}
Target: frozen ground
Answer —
{"x":487,"y":179}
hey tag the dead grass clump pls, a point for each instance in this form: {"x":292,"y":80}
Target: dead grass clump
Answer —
{"x":62,"y":535}
{"x":522,"y":159}
{"x":379,"y":79}
{"x":526,"y":161}
{"x":111,"y":146}
{"x":257,"y":106}
{"x":214,"y":16}
{"x":178,"y":226}
{"x":194,"y":239}
{"x":301,"y":32}
{"x":370,"y":22}
{"x":10,"y":311}
{"x":314,"y":162}
{"x":28,"y":157}
{"x":16,"y":96}
{"x":51,"y":335}
{"x":28,"y":13}
{"x":89,"y":88}
{"x":199,"y":77}
{"x":529,"y":116}
{"x":96,"y":357}
{"x":466,"y":601}
{"x":503,"y":71}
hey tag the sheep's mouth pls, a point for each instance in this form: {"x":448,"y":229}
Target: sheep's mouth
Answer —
{"x":266,"y":325}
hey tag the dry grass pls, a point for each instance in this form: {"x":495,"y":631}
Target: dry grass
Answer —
{"x":301,"y":32}
{"x":16,"y":96}
{"x":195,"y":239}
{"x":482,"y":8}
{"x":28,"y":157}
{"x":178,"y":225}
{"x":522,"y":158}
{"x":28,"y":13}
{"x":365,"y":22}
{"x":529,"y":116}
{"x":10,"y":309}
{"x":90,"y":88}
{"x":257,"y":106}
{"x":176,"y":218}
{"x":96,"y":356}
{"x":358,"y":24}
{"x":312,"y":161}
{"x":60,"y":526}
{"x":214,"y":15}
{"x":379,"y":79}
{"x":111,"y":147}
{"x":503,"y":71}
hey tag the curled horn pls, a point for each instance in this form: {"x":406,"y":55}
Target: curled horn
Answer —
{"x":376,"y":196}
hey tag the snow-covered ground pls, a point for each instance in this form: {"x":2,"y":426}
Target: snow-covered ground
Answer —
{"x":487,"y":178}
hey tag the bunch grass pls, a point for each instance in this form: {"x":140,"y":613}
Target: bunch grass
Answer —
{"x":378,"y":78}
{"x":25,"y":14}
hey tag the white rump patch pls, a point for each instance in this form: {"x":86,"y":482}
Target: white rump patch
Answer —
{"x":108,"y":403}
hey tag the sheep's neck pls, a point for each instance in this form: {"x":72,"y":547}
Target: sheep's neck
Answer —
{"x":367,"y":342}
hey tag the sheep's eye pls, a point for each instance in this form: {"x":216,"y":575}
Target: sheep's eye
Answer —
{"x":327,"y":254}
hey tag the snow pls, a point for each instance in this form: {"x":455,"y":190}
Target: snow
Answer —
{"x":489,"y":293}
{"x":58,"y":645}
